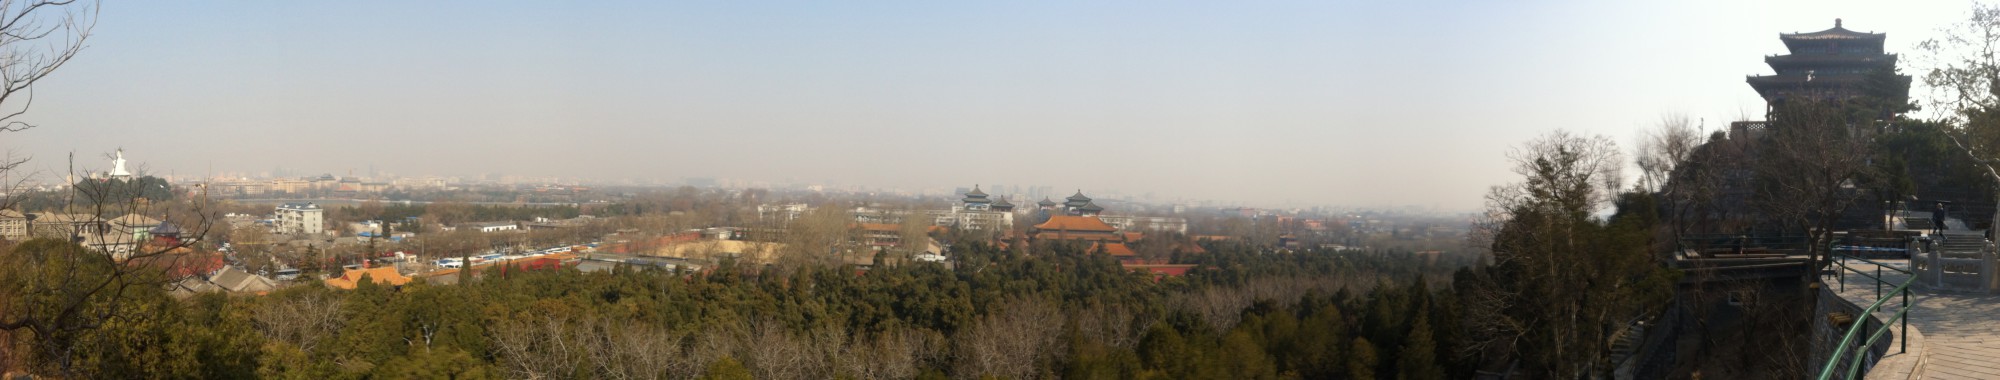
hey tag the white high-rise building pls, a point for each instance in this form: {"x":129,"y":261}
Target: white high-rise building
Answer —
{"x":300,"y":218}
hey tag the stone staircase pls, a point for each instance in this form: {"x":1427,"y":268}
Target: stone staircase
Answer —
{"x":1961,"y":244}
{"x":1624,"y":347}
{"x":1958,"y":260}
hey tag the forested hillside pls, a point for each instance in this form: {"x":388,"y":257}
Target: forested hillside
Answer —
{"x":997,"y":314}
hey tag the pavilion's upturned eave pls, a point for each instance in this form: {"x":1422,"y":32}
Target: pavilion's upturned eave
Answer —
{"x":1812,"y":47}
{"x":1813,"y":44}
{"x":1776,"y":61}
{"x":1820,"y":78}
{"x":1837,"y":32}
{"x":1801,"y":79}
{"x":1832,"y":34}
{"x":1769,"y":85}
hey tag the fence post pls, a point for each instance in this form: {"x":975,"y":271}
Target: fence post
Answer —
{"x":1936,"y":268}
{"x":1987,"y":275}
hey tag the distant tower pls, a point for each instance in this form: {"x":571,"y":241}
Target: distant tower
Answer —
{"x":1833,"y":64}
{"x":1074,"y":205}
{"x":975,"y":200}
{"x":1089,"y":209}
{"x":1001,"y":205}
{"x":118,"y":166}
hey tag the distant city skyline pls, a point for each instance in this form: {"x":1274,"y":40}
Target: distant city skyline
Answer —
{"x":1019,"y":193}
{"x":1277,"y":104}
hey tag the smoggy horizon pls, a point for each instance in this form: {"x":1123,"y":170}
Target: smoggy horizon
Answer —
{"x":1282,"y":104}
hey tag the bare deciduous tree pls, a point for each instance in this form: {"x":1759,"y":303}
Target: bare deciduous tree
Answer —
{"x":1698,"y":196}
{"x":38,"y":38}
{"x":1111,"y":325}
{"x":1011,"y":342}
{"x":894,"y":354}
{"x":1562,"y":277}
{"x":1805,"y":167}
{"x":772,"y":352}
{"x":1962,"y":68}
{"x":1222,"y":307}
{"x":1663,"y":149}
{"x":823,"y":236}
{"x":303,"y":321}
{"x":544,"y":346}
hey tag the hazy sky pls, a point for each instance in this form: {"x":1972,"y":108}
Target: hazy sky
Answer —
{"x":1266,"y":103}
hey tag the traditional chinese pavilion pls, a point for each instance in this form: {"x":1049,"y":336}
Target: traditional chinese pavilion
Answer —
{"x":1831,"y":64}
{"x":1080,"y":205}
{"x":976,"y":200}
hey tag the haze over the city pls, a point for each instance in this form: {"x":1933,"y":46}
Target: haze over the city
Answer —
{"x":1287,"y":103}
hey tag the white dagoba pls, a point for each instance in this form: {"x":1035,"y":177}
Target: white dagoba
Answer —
{"x":118,"y":166}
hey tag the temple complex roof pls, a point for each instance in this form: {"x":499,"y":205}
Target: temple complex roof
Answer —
{"x":1838,"y":37}
{"x":1091,"y":207}
{"x":1046,"y":202}
{"x":1076,"y":223}
{"x":1113,"y":249}
{"x":1838,"y":32}
{"x":1770,"y":80}
{"x":165,"y":228}
{"x":1828,"y":64}
{"x":975,"y":196}
{"x":1787,"y":61}
{"x":1002,"y":203}
{"x":135,"y":221}
{"x":1077,"y":200}
{"x":1039,"y":217}
{"x":1079,"y":196}
{"x":379,"y":275}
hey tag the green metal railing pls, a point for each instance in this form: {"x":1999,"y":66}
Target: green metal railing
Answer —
{"x":1902,"y":289}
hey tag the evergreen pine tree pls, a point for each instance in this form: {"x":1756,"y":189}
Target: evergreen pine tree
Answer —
{"x":1417,"y":361}
{"x":727,"y":369}
{"x":1361,"y":360}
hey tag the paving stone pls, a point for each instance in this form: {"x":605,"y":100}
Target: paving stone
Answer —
{"x":1957,"y":334}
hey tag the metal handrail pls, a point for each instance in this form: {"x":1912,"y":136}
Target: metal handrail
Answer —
{"x":1844,"y":257}
{"x":1903,"y":289}
{"x":1842,"y":262}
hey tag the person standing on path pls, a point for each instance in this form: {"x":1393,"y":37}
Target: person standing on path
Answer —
{"x":1937,"y":220}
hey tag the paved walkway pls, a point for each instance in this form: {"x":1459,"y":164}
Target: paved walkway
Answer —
{"x":1953,"y":336}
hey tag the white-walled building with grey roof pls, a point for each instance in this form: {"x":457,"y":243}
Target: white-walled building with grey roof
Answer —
{"x":300,"y":218}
